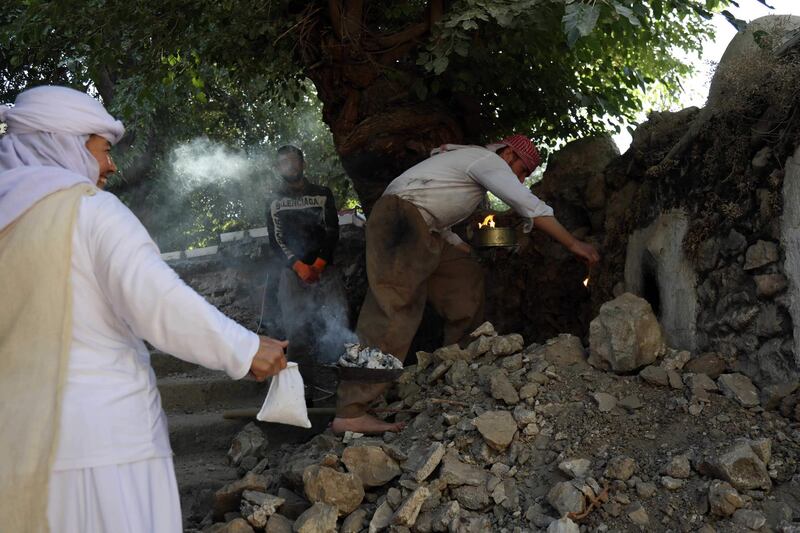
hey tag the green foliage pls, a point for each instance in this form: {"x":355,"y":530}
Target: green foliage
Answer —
{"x":233,"y":72}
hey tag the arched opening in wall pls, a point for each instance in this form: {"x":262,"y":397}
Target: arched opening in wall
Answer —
{"x":650,"y":283}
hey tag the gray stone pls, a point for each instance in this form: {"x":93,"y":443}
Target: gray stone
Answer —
{"x":741,"y":467}
{"x":655,"y":375}
{"x":479,"y":347}
{"x":250,"y":441}
{"x":445,"y":515}
{"x":563,"y":525}
{"x":506,"y":345}
{"x":452,"y":352}
{"x":707,"y":254}
{"x":645,"y":489}
{"x":423,"y":459}
{"x":566,"y":498}
{"x":605,"y":401}
{"x":237,"y":525}
{"x":257,"y":507}
{"x":723,"y":499}
{"x":497,"y":428}
{"x":768,"y":285}
{"x":354,"y":521}
{"x":773,"y":395}
{"x":343,"y":491}
{"x":473,"y":498}
{"x":769,"y":321}
{"x":625,"y":335}
{"x":529,"y":390}
{"x":381,"y":518}
{"x":735,"y":243}
{"x":319,"y":518}
{"x":710,"y":364}
{"x":760,"y":254}
{"x":406,"y":514}
{"x":485,"y":329}
{"x":278,"y":523}
{"x":749,"y":518}
{"x":621,"y":468}
{"x":575,"y":468}
{"x":370,"y":464}
{"x":671,"y":483}
{"x":227,"y":498}
{"x":631,"y":403}
{"x":293,"y":505}
{"x":501,"y":388}
{"x":564,"y":350}
{"x":675,"y":380}
{"x":455,"y":472}
{"x":524,"y":416}
{"x":638,"y":515}
{"x":459,"y":374}
{"x":679,"y":467}
{"x":740,"y":388}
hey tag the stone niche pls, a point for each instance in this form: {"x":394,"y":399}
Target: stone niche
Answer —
{"x":657,"y":270}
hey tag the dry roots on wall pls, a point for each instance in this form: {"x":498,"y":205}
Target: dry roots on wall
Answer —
{"x":503,"y":437}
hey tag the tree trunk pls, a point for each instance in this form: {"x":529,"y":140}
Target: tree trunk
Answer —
{"x":364,"y":80}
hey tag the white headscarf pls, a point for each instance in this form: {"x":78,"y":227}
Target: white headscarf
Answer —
{"x":44,"y":149}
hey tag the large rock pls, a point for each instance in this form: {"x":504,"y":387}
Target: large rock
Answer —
{"x":740,"y":388}
{"x":423,"y":459}
{"x":371,"y":464}
{"x":563,"y":525}
{"x":565,"y":498}
{"x":497,"y":428}
{"x":319,"y":518}
{"x":741,"y":466}
{"x":456,"y":473}
{"x":249,"y":442}
{"x":723,"y":499}
{"x":501,"y":388}
{"x":625,"y":335}
{"x":326,"y":485}
{"x":257,"y":507}
{"x":406,"y":514}
{"x":227,"y":498}
{"x":564,"y":350}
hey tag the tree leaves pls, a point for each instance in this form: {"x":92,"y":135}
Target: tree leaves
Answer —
{"x":579,"y":20}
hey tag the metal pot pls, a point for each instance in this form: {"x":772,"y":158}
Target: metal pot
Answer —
{"x":494,"y":237}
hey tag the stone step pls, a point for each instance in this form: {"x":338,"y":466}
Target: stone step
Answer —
{"x":165,"y":364}
{"x":202,"y":432}
{"x":192,"y":394}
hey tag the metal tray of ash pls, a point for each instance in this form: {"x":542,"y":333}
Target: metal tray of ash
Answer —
{"x":368,"y":365}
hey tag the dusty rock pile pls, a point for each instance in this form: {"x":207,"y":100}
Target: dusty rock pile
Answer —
{"x":504,"y":437}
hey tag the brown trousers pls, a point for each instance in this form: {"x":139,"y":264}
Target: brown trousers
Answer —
{"x":407,"y":265}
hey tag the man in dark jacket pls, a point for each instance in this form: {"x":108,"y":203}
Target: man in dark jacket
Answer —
{"x":303,"y":231}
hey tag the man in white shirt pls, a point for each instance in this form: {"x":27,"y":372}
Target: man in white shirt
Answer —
{"x":413,"y":256}
{"x":81,"y":284}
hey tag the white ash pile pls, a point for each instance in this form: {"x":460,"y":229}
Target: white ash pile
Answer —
{"x":508,"y":438}
{"x":358,"y":356}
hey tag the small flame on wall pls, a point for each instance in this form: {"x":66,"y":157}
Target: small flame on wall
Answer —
{"x":586,"y":282}
{"x":487,"y":222}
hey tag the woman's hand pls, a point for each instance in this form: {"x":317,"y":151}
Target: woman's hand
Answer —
{"x":269,"y":359}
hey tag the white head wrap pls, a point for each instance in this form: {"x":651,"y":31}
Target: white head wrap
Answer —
{"x":44,"y":149}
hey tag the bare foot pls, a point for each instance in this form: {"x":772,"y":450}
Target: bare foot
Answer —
{"x":367,"y":424}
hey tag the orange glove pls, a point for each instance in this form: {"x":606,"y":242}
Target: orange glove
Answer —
{"x":305,"y":272}
{"x":319,"y":265}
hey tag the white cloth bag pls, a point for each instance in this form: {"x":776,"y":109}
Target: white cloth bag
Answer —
{"x":286,"y":399}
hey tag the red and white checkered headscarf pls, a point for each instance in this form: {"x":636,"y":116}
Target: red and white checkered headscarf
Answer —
{"x":524,"y":149}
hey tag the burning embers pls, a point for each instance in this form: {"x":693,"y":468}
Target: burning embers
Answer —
{"x":359,"y":356}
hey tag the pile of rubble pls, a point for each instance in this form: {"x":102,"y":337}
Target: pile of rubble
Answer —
{"x":503,"y":437}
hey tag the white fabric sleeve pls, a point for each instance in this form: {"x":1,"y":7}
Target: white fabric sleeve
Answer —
{"x":495,"y":175}
{"x":155,"y":303}
{"x":450,"y":237}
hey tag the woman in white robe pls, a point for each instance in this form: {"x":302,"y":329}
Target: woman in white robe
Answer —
{"x":111,"y":460}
